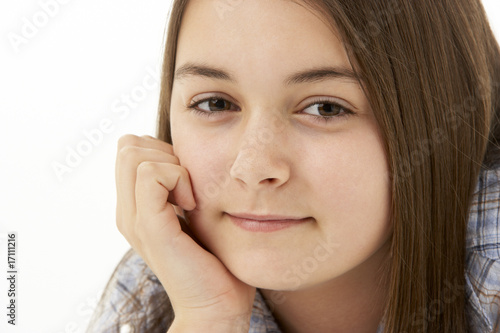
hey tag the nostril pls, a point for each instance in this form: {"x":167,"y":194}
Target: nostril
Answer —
{"x":270,"y":181}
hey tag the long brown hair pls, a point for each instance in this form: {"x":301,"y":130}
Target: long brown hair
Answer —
{"x":431,"y":71}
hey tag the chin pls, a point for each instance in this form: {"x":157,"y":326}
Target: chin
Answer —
{"x":266,"y":280}
{"x":266,"y":271}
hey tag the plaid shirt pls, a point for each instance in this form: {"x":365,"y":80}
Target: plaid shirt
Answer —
{"x":482,"y":276}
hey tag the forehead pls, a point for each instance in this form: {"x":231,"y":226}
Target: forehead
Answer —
{"x":258,"y":36}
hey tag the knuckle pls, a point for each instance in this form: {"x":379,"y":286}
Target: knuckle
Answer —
{"x":183,"y":172}
{"x":175,"y":160}
{"x":128,"y":153}
{"x":127,"y":140}
{"x":146,"y":168}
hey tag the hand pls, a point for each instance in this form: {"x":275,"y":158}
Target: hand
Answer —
{"x":203,"y":293}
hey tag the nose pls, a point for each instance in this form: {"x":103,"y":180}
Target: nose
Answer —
{"x":262,"y":159}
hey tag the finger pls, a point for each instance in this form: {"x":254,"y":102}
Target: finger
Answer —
{"x":128,"y":159}
{"x":178,"y":211}
{"x":156,"y":181}
{"x":156,"y":222}
{"x":145,"y":141}
{"x":159,"y":144}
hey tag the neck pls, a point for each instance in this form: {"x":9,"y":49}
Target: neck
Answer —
{"x":353,"y":302}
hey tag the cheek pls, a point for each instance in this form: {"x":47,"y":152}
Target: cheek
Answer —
{"x":207,"y":164}
{"x":355,"y":171}
{"x":353,"y":197}
{"x":358,"y":185}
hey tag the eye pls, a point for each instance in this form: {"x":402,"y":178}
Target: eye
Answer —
{"x":212,"y":104}
{"x":326,"y":109}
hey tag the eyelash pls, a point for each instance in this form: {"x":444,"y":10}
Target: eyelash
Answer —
{"x":193,"y":106}
{"x":324,"y":119}
{"x":347,"y":112}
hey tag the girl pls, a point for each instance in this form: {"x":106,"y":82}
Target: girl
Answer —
{"x":320,"y":166}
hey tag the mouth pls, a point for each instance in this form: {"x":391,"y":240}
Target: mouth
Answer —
{"x":266,"y":223}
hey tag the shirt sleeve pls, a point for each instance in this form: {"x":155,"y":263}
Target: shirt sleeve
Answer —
{"x":132,"y":299}
{"x":483,"y":255}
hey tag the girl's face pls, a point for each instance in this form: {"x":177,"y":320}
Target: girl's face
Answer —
{"x":280,"y":130}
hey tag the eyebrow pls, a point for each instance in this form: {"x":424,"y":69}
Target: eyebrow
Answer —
{"x":305,"y":76}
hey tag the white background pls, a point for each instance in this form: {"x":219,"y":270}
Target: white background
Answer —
{"x":72,"y":74}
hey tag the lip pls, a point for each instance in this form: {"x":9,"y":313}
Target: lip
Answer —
{"x":266,"y":223}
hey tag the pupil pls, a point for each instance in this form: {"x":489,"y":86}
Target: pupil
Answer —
{"x":218,"y":104}
{"x":328,"y":109}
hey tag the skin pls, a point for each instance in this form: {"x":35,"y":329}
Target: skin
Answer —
{"x":270,"y":153}
{"x":267,"y":152}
